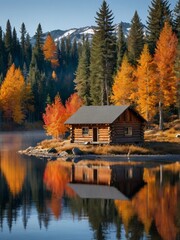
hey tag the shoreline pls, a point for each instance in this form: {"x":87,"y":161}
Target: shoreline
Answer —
{"x":43,"y":153}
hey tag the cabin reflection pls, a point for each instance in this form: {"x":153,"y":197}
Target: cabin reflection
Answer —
{"x":91,"y":174}
{"x":127,"y":180}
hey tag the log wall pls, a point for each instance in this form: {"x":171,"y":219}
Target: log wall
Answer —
{"x":103,"y":134}
{"x":127,"y":119}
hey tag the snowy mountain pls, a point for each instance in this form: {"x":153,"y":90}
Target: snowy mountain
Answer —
{"x":77,"y":33}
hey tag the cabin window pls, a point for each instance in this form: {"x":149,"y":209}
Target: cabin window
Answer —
{"x":85,"y":131}
{"x":128,"y":131}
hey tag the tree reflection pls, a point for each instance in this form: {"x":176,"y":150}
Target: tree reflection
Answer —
{"x":56,"y":176}
{"x":14,"y":170}
{"x":152,"y":209}
{"x":156,"y":202}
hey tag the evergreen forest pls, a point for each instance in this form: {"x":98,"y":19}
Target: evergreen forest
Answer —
{"x":141,"y":70}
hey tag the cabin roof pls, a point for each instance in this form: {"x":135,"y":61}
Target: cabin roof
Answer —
{"x":96,"y":114}
{"x":97,"y":191}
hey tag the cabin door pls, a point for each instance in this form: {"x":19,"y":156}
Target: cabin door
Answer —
{"x":95,"y":134}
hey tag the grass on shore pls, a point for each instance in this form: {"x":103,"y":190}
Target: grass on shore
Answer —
{"x":156,"y":142}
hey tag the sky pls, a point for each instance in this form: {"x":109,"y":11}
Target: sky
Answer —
{"x":66,"y":14}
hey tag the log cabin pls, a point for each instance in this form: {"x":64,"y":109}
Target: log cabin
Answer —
{"x":106,"y":125}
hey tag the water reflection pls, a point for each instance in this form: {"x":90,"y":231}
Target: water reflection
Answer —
{"x":110,"y":201}
{"x":14,"y":171}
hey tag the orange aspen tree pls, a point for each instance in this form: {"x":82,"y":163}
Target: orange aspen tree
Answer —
{"x":164,"y":58}
{"x":54,"y":118}
{"x":50,"y":51}
{"x":124,"y":84}
{"x":73,"y":103}
{"x":145,"y":85}
{"x":177,"y":71}
{"x":11,"y":95}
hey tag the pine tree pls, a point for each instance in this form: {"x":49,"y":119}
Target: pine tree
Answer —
{"x":68,"y":49}
{"x":121,"y":45}
{"x":28,"y":51}
{"x":74,"y":55}
{"x":37,"y":50}
{"x":2,"y":56}
{"x":96,"y":73}
{"x":124,"y":84}
{"x":37,"y":81}
{"x":37,"y":77}
{"x":28,"y":101}
{"x":165,"y":60}
{"x":82,"y":85}
{"x":8,"y":37}
{"x":135,"y":41}
{"x":15,"y":49}
{"x":177,"y":19}
{"x":23,"y":42}
{"x":159,"y":13}
{"x":103,"y":61}
{"x":63,"y":52}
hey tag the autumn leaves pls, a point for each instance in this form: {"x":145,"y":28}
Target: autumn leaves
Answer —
{"x":56,"y":114}
{"x":152,"y":85}
{"x":15,"y":96}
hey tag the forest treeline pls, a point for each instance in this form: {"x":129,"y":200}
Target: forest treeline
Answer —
{"x":141,"y":70}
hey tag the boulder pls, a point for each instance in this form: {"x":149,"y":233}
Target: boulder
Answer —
{"x":77,"y":151}
{"x":29,"y":149}
{"x":52,"y":150}
{"x":63,"y":154}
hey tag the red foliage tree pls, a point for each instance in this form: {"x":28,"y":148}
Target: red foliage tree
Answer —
{"x":54,"y":118}
{"x":56,"y":114}
{"x":73,"y":103}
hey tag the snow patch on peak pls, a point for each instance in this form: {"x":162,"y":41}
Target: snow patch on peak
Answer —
{"x":69,"y":32}
{"x":66,"y":34}
{"x":88,"y":31}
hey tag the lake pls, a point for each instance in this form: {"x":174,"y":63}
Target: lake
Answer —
{"x":42,"y":199}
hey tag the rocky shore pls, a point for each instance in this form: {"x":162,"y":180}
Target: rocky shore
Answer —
{"x":76,"y":155}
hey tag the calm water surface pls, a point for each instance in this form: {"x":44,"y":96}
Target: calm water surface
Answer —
{"x":42,"y":199}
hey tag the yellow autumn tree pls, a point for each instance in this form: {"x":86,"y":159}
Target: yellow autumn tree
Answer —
{"x":164,"y":58}
{"x":146,"y":86}
{"x":11,"y":95}
{"x":50,"y":51}
{"x":124,"y":84}
{"x":177,"y":67}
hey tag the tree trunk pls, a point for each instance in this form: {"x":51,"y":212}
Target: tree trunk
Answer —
{"x":161,"y":122}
